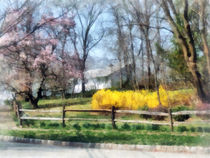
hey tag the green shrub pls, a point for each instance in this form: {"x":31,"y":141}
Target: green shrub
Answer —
{"x":42,"y":124}
{"x":86,"y":125}
{"x":181,"y":117}
{"x":206,"y":129}
{"x":28,"y":122}
{"x":126,"y":126}
{"x":155,"y":127}
{"x":138,"y":127}
{"x":182,"y":129}
{"x":199,"y":129}
{"x":192,"y":129}
{"x":77,"y":126}
{"x":164,"y":129}
{"x":93,"y":126}
{"x":54,"y":125}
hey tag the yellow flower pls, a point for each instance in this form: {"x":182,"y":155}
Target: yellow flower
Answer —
{"x":105,"y":99}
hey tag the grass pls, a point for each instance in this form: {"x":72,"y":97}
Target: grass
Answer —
{"x":83,"y":131}
{"x":52,"y":103}
{"x":189,"y":129}
{"x":87,"y":134}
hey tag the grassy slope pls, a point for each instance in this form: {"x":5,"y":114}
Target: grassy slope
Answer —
{"x":114,"y":136}
{"x":87,"y":132}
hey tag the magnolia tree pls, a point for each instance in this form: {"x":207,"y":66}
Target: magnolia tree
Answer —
{"x":33,"y":54}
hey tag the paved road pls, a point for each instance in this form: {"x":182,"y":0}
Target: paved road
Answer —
{"x":21,"y":150}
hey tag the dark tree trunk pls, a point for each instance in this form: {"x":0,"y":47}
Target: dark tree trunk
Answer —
{"x":83,"y":83}
{"x":197,"y":82}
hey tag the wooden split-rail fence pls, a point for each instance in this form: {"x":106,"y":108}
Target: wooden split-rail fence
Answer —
{"x":113,"y":119}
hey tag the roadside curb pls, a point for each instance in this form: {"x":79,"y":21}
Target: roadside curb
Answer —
{"x":150,"y":148}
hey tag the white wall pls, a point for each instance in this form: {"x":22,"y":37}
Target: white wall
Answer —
{"x":92,"y":84}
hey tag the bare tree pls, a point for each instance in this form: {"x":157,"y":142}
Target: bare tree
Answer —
{"x":142,"y":13}
{"x":88,"y":39}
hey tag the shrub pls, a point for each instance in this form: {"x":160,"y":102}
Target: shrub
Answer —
{"x":199,"y":129}
{"x":55,"y":125}
{"x":126,"y":126}
{"x":28,"y":122}
{"x":206,"y":129}
{"x":86,"y":125}
{"x":105,"y":99}
{"x":138,"y":127}
{"x":155,"y":127}
{"x":76,"y":126}
{"x":181,"y":117}
{"x":42,"y":124}
{"x":192,"y":129}
{"x":182,"y":129}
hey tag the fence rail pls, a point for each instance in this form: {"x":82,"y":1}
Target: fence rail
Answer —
{"x":142,"y":112}
{"x":113,"y":113}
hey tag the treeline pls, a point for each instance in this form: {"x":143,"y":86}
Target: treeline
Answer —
{"x":44,"y":45}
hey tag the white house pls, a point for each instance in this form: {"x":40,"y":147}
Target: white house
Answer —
{"x":100,"y":78}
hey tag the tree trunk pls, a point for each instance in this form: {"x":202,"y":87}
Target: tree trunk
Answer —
{"x":197,"y":81}
{"x":34,"y":103}
{"x":203,"y":12}
{"x":148,"y":63}
{"x":121,"y":79}
{"x":83,"y":82}
{"x":134,"y":80}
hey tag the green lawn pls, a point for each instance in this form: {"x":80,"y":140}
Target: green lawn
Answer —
{"x":114,"y":136}
{"x":53,"y":103}
{"x":86,"y":131}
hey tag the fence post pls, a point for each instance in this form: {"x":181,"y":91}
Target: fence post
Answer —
{"x":15,"y":109}
{"x":113,"y":117}
{"x":19,"y":114}
{"x":63,"y":117}
{"x":171,"y":119}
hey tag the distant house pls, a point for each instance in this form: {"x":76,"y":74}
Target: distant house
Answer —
{"x":102,"y":78}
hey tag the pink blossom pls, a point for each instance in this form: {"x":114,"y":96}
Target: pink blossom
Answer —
{"x":54,"y":41}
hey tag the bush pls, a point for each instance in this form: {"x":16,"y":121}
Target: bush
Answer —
{"x":182,"y":129}
{"x":134,"y":100}
{"x":76,"y":126}
{"x":199,"y":129}
{"x":54,"y":125}
{"x":155,"y":127}
{"x":42,"y":124}
{"x":86,"y":125}
{"x":206,"y":129}
{"x":181,"y":117}
{"x":192,"y":129}
{"x":126,"y":126}
{"x":93,"y":126}
{"x":28,"y":122}
{"x":138,"y":127}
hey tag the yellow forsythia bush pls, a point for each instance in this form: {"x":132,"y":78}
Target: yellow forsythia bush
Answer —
{"x":104,"y":99}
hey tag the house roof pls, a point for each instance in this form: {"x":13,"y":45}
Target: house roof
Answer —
{"x":102,"y":72}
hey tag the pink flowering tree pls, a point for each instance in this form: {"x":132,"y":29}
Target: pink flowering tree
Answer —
{"x":35,"y":54}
